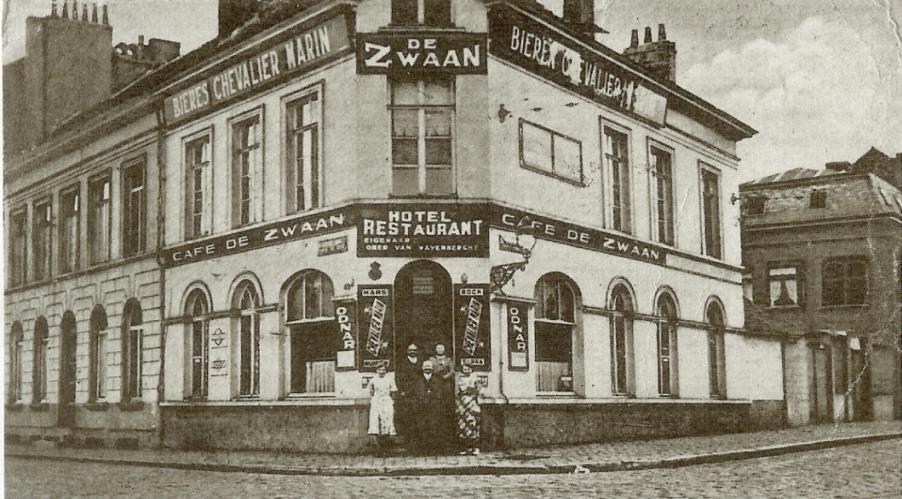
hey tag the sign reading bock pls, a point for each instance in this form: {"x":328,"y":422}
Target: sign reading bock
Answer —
{"x":471,"y":326}
{"x":375,"y":341}
{"x":435,"y":230}
{"x":421,"y":52}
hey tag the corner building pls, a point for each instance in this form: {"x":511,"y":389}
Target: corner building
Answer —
{"x":359,"y":176}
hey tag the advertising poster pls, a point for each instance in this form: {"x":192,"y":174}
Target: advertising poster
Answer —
{"x":375,"y":340}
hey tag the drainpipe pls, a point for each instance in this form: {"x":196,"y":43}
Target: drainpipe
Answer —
{"x":502,"y":419}
{"x":161,"y":217}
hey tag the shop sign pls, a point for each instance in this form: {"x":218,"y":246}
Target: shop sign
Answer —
{"x":257,"y":237}
{"x":375,"y":342}
{"x":219,"y":352}
{"x":417,"y":230}
{"x":414,"y":53}
{"x":332,"y":246}
{"x":471,"y":326}
{"x":518,"y":336}
{"x":583,"y":237}
{"x":346,"y":328}
{"x":552,"y":55}
{"x":285,"y":56}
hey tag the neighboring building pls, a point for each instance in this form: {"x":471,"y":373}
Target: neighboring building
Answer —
{"x":822,"y":251}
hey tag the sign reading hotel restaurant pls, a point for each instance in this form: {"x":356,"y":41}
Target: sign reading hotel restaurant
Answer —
{"x":256,"y":237}
{"x":471,"y":326}
{"x":421,"y":52}
{"x":346,"y":327}
{"x":422,"y":230}
{"x":375,"y":341}
{"x":575,"y":235}
{"x":517,"y":336}
{"x":532,"y":45}
{"x":302,"y":49}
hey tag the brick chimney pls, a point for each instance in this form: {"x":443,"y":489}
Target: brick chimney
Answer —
{"x":133,"y":60}
{"x":659,"y":57}
{"x":234,"y":13}
{"x":580,"y":16}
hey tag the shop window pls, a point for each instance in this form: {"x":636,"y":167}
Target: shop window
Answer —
{"x":617,"y":164}
{"x":132,"y":351}
{"x":70,"y":225}
{"x":621,"y":341}
{"x":303,"y":144}
{"x":435,"y":13}
{"x":98,"y":344}
{"x":311,"y":328}
{"x":783,"y":286}
{"x":710,"y":181}
{"x":818,"y":199}
{"x":662,"y":170}
{"x":554,"y":323}
{"x":716,"y":363}
{"x":845,"y":282}
{"x":246,"y":163}
{"x":99,"y":220}
{"x":16,"y":349}
{"x":198,"y":182}
{"x":551,"y":153}
{"x":422,"y":146}
{"x":42,"y":239}
{"x":134,"y":228}
{"x":197,"y":310}
{"x":248,"y":335}
{"x":667,"y":346}
{"x":18,"y":254}
{"x":40,"y":365}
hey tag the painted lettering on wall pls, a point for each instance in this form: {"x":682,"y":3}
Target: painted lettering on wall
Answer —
{"x":375,"y":321}
{"x":421,"y":52}
{"x":422,"y":230}
{"x":471,"y":325}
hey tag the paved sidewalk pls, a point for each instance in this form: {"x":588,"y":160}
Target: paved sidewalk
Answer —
{"x":664,"y":453}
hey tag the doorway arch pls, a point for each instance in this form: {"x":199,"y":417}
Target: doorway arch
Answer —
{"x":423,"y":308}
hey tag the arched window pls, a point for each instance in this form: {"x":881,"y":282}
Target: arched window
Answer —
{"x":16,"y":347}
{"x":198,"y":336}
{"x":716,"y":363}
{"x":98,"y":367}
{"x":39,"y":366}
{"x":132,"y":350}
{"x":309,"y":318}
{"x":621,"y":341}
{"x":554,"y":324}
{"x":248,"y":324}
{"x":667,"y":345}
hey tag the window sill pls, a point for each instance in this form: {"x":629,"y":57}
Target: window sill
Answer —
{"x":784,"y":307}
{"x":421,"y":27}
{"x":15,"y":406}
{"x":553,"y":175}
{"x":423,"y":196}
{"x":97,"y":405}
{"x":39,"y":406}
{"x":568,"y":395}
{"x":308,"y":396}
{"x":843,"y":306}
{"x":131,"y":406}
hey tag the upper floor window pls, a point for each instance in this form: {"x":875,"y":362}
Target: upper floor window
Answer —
{"x":132,"y":348}
{"x":18,"y":253}
{"x":429,"y":12}
{"x":662,"y":170}
{"x":40,"y":364}
{"x":198,"y":179}
{"x":783,"y":286}
{"x":422,"y":124}
{"x":16,"y":349}
{"x":99,"y":220}
{"x":845,"y":282}
{"x":818,"y":199}
{"x":134,"y":229}
{"x":310,"y":321}
{"x":754,"y":205}
{"x":303,"y":141}
{"x":547,"y":151}
{"x":246,"y":158}
{"x":70,"y":234}
{"x":42,"y":238}
{"x":617,"y":164}
{"x":711,"y":225}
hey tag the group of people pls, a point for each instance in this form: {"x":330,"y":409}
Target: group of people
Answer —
{"x":430,"y":405}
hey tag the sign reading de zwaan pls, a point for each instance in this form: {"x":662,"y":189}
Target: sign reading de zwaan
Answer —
{"x":421,"y":52}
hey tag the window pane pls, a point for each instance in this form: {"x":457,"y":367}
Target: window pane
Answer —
{"x":405,"y":181}
{"x":536,"y":146}
{"x":404,"y":152}
{"x":439,"y":181}
{"x":567,"y":158}
{"x":405,"y":123}
{"x":438,"y":152}
{"x":438,"y":122}
{"x":404,"y":92}
{"x":554,"y":342}
{"x":438,"y":93}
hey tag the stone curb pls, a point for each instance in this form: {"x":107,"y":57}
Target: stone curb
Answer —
{"x":488,"y":469}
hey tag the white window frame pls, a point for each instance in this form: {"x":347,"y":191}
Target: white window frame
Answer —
{"x":253,"y":313}
{"x":18,"y":251}
{"x":702,"y":169}
{"x":73,"y":246}
{"x":552,"y":170}
{"x":289,"y":175}
{"x":608,"y":179}
{"x":96,"y":257}
{"x":43,"y":226}
{"x":256,"y":170}
{"x":796,"y":276}
{"x":654,"y":194}
{"x":206,"y":221}
{"x":137,"y":246}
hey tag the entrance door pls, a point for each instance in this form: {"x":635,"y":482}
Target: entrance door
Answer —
{"x":822,"y":384}
{"x":423,"y":309}
{"x":66,"y":414}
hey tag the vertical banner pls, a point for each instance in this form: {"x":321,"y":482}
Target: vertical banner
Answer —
{"x":375,"y":340}
{"x":518,"y":336}
{"x":472,"y":334}
{"x":346,"y":329}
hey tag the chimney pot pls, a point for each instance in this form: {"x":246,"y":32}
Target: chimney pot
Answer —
{"x":94,"y":14}
{"x":634,"y":38}
{"x":84,"y":12}
{"x":647,"y":35}
{"x":53,"y":8}
{"x":662,"y":33}
{"x":65,"y":9}
{"x":106,"y":16}
{"x":141,"y":40}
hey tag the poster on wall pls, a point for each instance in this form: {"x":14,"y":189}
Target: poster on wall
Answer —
{"x":375,"y":340}
{"x":518,"y":336}
{"x":423,"y":230}
{"x":346,"y":329}
{"x":219,"y":353}
{"x":472,"y":333}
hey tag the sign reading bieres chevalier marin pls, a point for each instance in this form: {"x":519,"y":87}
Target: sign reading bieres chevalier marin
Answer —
{"x":471,"y":325}
{"x":421,"y":52}
{"x":300,"y":50}
{"x":439,"y":230}
{"x":552,"y":55}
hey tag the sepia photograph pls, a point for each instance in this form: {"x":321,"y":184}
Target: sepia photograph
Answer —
{"x":452,"y":248}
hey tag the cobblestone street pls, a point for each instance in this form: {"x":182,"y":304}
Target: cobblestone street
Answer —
{"x":867,"y":470}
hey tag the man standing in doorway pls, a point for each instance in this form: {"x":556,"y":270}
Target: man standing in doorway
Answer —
{"x":407,"y":373}
{"x":427,"y":411}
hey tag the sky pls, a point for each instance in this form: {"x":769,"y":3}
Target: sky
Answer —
{"x":821,"y":80}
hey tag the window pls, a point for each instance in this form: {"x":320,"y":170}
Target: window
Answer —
{"x":310,"y":320}
{"x":621,"y":341}
{"x":99,"y":220}
{"x":716,"y":363}
{"x":69,"y":230}
{"x":754,"y":205}
{"x":134,"y":229}
{"x":197,"y":310}
{"x":555,"y":320}
{"x":818,"y":199}
{"x":248,"y":324}
{"x":42,"y":239}
{"x":198,"y":179}
{"x":435,"y":13}
{"x":783,"y":286}
{"x":422,"y":123}
{"x":667,"y":345}
{"x":711,"y":212}
{"x":246,"y":158}
{"x":616,"y":154}
{"x":303,"y":140}
{"x":132,"y":351}
{"x":39,"y":366}
{"x":18,"y":254}
{"x":98,"y":368}
{"x":16,"y":348}
{"x":549,"y":152}
{"x":662,"y":171}
{"x":845,"y":282}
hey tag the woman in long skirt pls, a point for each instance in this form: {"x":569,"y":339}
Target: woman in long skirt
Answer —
{"x":382,"y":408}
{"x":468,"y":411}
